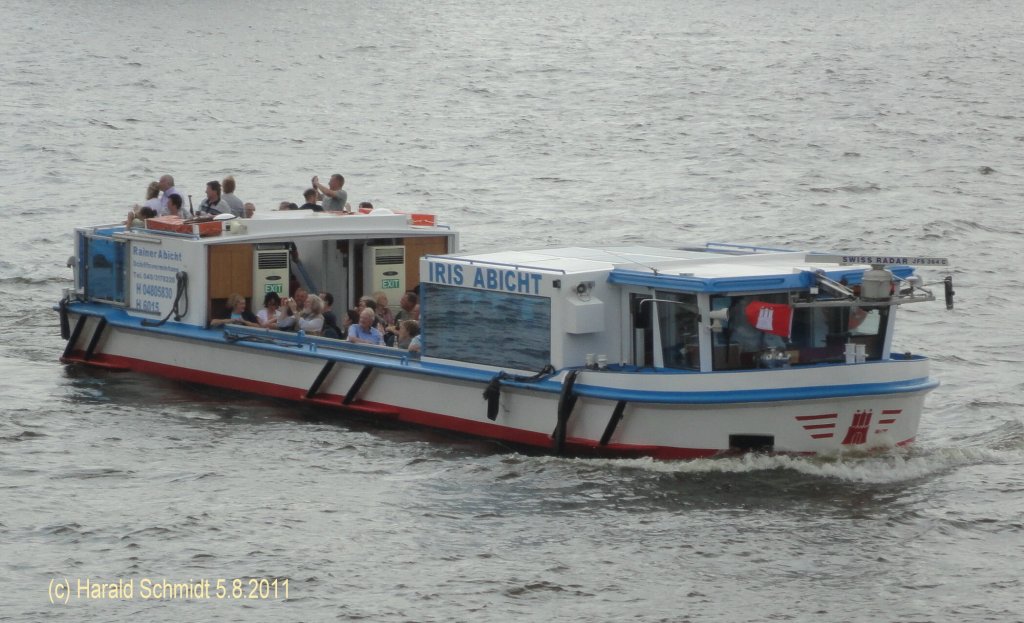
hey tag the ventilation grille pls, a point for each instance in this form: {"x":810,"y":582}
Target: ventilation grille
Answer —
{"x":273,"y":260}
{"x":389,"y":256}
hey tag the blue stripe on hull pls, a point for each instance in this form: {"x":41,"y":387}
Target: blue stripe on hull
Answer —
{"x":759,"y":395}
{"x":333,"y":350}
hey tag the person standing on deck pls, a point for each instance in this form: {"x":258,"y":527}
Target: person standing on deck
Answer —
{"x":166,"y":185}
{"x":334,"y":198}
{"x":234,"y":203}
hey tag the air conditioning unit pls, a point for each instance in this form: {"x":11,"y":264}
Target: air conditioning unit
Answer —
{"x":270,"y":272}
{"x":384,"y":271}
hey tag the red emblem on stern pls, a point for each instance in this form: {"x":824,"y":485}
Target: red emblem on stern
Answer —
{"x":858,"y":431}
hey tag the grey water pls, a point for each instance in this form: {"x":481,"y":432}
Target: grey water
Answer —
{"x":878,"y":126}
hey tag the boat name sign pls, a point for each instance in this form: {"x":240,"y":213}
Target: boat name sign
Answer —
{"x":879,"y":260}
{"x":484,"y":278}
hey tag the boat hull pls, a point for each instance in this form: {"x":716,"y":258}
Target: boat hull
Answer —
{"x":668,"y":416}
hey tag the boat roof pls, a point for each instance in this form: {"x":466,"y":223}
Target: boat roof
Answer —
{"x":711,"y":268}
{"x":649,"y":260}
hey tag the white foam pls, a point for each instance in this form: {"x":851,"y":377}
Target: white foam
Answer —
{"x":888,"y":467}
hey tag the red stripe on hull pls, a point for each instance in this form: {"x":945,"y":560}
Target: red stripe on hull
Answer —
{"x":817,"y":426}
{"x":402,"y":414}
{"x":79,"y":358}
{"x":823,"y":416}
{"x":891,"y":411}
{"x":822,"y":436}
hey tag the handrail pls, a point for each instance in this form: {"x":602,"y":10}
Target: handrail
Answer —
{"x":304,"y":276}
{"x":748,"y":247}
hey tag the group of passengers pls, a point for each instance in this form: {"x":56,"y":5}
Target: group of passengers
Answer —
{"x":164,"y":199}
{"x":373,"y":322}
{"x":313,"y":314}
{"x":333,"y":196}
{"x":374,"y":315}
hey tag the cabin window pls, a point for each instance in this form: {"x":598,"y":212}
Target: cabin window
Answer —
{"x":678,"y":320}
{"x":104,"y":264}
{"x":486,"y":327}
{"x":817,"y":334}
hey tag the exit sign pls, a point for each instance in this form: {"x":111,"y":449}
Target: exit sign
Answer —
{"x":392,"y":284}
{"x":273,"y":287}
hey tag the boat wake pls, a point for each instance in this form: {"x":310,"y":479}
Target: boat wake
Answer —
{"x":880,"y":467}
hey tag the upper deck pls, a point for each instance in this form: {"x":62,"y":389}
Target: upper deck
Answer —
{"x":195,"y":267}
{"x":288,"y":225}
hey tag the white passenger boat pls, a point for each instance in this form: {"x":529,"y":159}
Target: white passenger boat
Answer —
{"x":629,"y":351}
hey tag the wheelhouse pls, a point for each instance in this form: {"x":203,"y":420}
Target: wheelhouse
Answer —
{"x":710,"y":309}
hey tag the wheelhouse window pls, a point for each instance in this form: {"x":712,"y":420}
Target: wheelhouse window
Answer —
{"x":678,"y":322}
{"x":820,"y":334}
{"x":802,"y":335}
{"x":487,"y":327}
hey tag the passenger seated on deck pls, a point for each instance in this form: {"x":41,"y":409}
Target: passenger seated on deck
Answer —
{"x":310,"y":318}
{"x":250,"y":209}
{"x":271,"y":311}
{"x":144,"y":213}
{"x":364,"y":332}
{"x":383,"y":311}
{"x":331,"y":328}
{"x":174,"y":204}
{"x":367,"y":302}
{"x":408,"y":301}
{"x":288,"y":319}
{"x":236,"y":314}
{"x":385,"y":318}
{"x":311,"y":204}
{"x":214,"y":204}
{"x":409,"y":336}
{"x":152,"y":198}
{"x":349,"y":318}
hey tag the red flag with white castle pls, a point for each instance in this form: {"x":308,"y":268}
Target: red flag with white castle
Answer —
{"x":771,"y":318}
